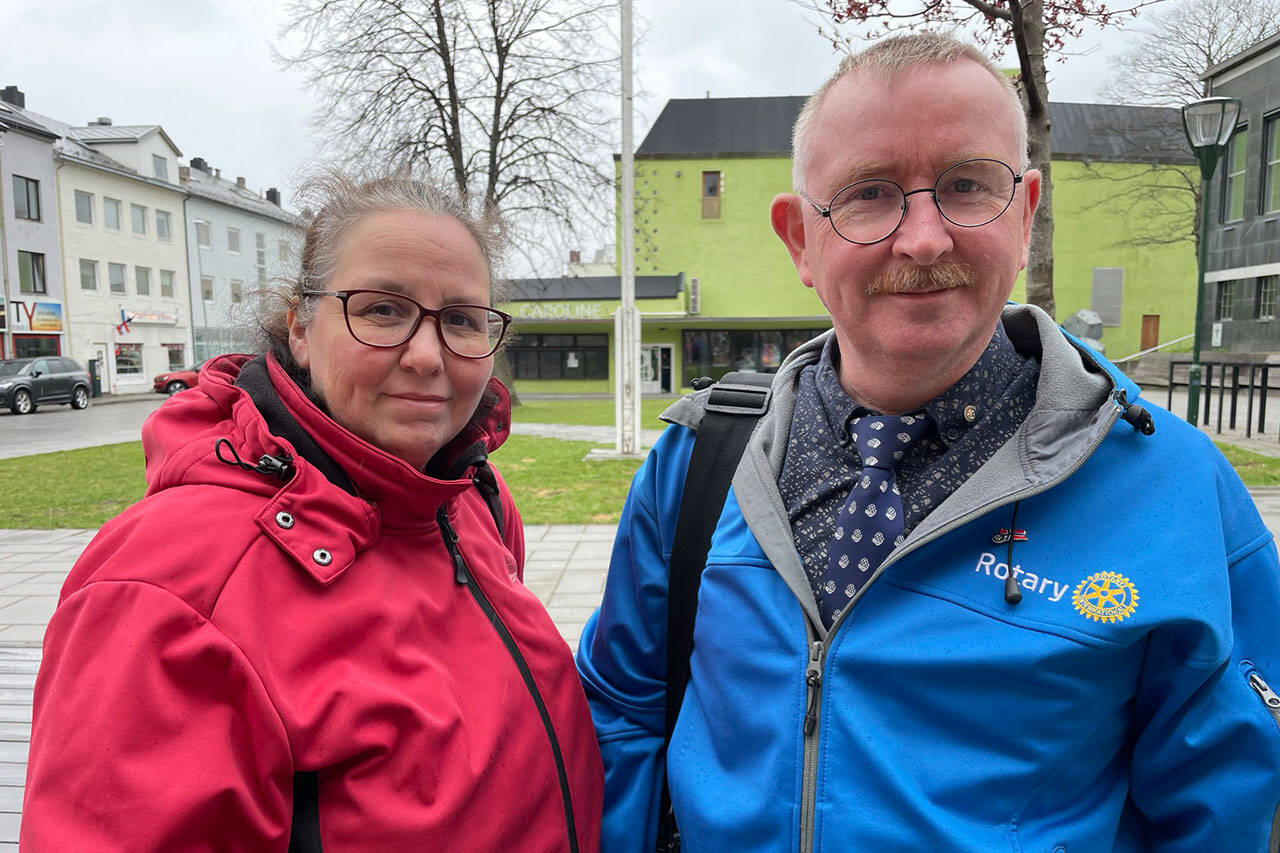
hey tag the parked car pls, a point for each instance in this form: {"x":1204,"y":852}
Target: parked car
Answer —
{"x":177,"y":380}
{"x":26,"y":383}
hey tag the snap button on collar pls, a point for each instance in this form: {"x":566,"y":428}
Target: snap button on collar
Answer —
{"x":284,"y":519}
{"x":322,"y":557}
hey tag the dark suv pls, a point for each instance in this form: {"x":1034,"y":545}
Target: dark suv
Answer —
{"x":26,"y":383}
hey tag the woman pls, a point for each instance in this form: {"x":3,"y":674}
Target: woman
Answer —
{"x":312,"y":632}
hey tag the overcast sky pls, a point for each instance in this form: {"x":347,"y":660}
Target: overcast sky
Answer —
{"x":204,"y":69}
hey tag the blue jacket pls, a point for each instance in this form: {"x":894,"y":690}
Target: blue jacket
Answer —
{"x":1123,"y":705}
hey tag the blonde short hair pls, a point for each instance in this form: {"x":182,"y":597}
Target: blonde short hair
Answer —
{"x":890,"y":57}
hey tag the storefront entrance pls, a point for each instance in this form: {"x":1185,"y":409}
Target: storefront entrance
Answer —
{"x":655,"y":368}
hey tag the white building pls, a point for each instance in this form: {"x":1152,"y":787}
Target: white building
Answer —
{"x":238,"y":242}
{"x":120,"y":209}
{"x":32,"y":309}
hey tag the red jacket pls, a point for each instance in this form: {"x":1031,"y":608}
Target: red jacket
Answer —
{"x":235,"y":638}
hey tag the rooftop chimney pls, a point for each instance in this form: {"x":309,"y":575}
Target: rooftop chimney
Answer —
{"x":199,"y":163}
{"x":217,"y":173}
{"x":13,"y":95}
{"x":273,"y":196}
{"x":240,"y":183}
{"x":103,"y":121}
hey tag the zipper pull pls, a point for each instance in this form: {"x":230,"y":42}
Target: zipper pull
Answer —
{"x":813,"y":685}
{"x":1264,"y":692}
{"x":460,"y":573}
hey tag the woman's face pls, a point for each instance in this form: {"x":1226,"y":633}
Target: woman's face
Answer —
{"x":412,"y":399}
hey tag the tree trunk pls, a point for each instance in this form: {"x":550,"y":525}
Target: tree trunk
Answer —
{"x":1029,"y":34}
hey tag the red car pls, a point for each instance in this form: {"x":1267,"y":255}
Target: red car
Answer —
{"x":177,"y":380}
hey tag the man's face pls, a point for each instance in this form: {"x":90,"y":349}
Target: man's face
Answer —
{"x":909,"y":130}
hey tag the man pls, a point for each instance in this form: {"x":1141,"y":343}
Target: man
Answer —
{"x":955,"y":600}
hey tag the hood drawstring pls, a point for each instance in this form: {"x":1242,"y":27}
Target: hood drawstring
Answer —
{"x":1134,"y":415}
{"x":1012,"y":595}
{"x":280,"y":467}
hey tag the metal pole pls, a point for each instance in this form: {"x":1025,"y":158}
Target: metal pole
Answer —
{"x":628,"y":343}
{"x":1207,"y":164}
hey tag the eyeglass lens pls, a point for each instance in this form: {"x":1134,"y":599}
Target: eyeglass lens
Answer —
{"x":968,"y":194}
{"x":386,"y":320}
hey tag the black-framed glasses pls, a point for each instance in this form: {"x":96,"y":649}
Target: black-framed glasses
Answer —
{"x":968,"y":194}
{"x":379,"y":318}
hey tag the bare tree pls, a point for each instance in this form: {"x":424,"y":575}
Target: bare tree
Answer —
{"x":1034,"y":28}
{"x":503,"y":99}
{"x":1177,"y":43}
{"x":1162,"y":67}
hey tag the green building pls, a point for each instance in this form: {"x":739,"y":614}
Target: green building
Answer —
{"x":717,"y":290}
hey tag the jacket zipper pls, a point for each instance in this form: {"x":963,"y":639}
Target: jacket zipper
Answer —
{"x":813,"y":707}
{"x":1268,"y":696}
{"x":462,"y":574}
{"x":812,"y":729}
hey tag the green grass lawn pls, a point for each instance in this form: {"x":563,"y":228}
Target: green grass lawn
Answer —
{"x":585,"y":412}
{"x":1254,"y":469}
{"x":551,"y":482}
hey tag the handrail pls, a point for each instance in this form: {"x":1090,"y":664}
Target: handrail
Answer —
{"x":1153,"y":349}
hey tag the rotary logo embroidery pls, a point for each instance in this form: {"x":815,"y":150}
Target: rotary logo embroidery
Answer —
{"x":1105,"y":597}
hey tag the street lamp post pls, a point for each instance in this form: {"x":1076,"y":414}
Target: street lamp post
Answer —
{"x":1208,"y":124}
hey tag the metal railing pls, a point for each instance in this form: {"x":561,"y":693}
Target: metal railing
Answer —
{"x":1229,"y":375}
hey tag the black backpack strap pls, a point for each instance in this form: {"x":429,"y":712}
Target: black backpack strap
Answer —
{"x":732,"y":409}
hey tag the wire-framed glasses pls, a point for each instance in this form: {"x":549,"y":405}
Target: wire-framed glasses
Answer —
{"x":379,"y":318}
{"x":968,"y":194}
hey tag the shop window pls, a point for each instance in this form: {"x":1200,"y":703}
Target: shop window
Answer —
{"x":34,"y":346}
{"x":128,"y":359}
{"x":714,"y":353}
{"x":175,"y":352}
{"x":559,"y":356}
{"x":711,"y":184}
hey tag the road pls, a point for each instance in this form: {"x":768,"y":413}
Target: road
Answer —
{"x":53,"y":428}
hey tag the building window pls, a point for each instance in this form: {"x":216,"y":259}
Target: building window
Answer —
{"x":160,"y":166}
{"x":1222,"y":309}
{"x":139,"y":218}
{"x":128,"y":359}
{"x":560,"y":356}
{"x":711,"y":182}
{"x":202,"y":235}
{"x":176,"y":359}
{"x":115,"y":277}
{"x":34,"y":346}
{"x":717,"y":352}
{"x":111,"y":213}
{"x":142,"y":278}
{"x":166,"y":283}
{"x":233,"y":240}
{"x":84,"y":207}
{"x":88,"y":275}
{"x":237,"y":290}
{"x":1271,"y":167}
{"x":206,"y":288}
{"x":26,"y":198}
{"x":260,"y":243}
{"x":163,"y":225}
{"x":1233,"y":186}
{"x":31,"y":272}
{"x":1266,"y":304}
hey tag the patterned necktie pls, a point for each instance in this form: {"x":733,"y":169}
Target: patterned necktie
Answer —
{"x":870,"y":523}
